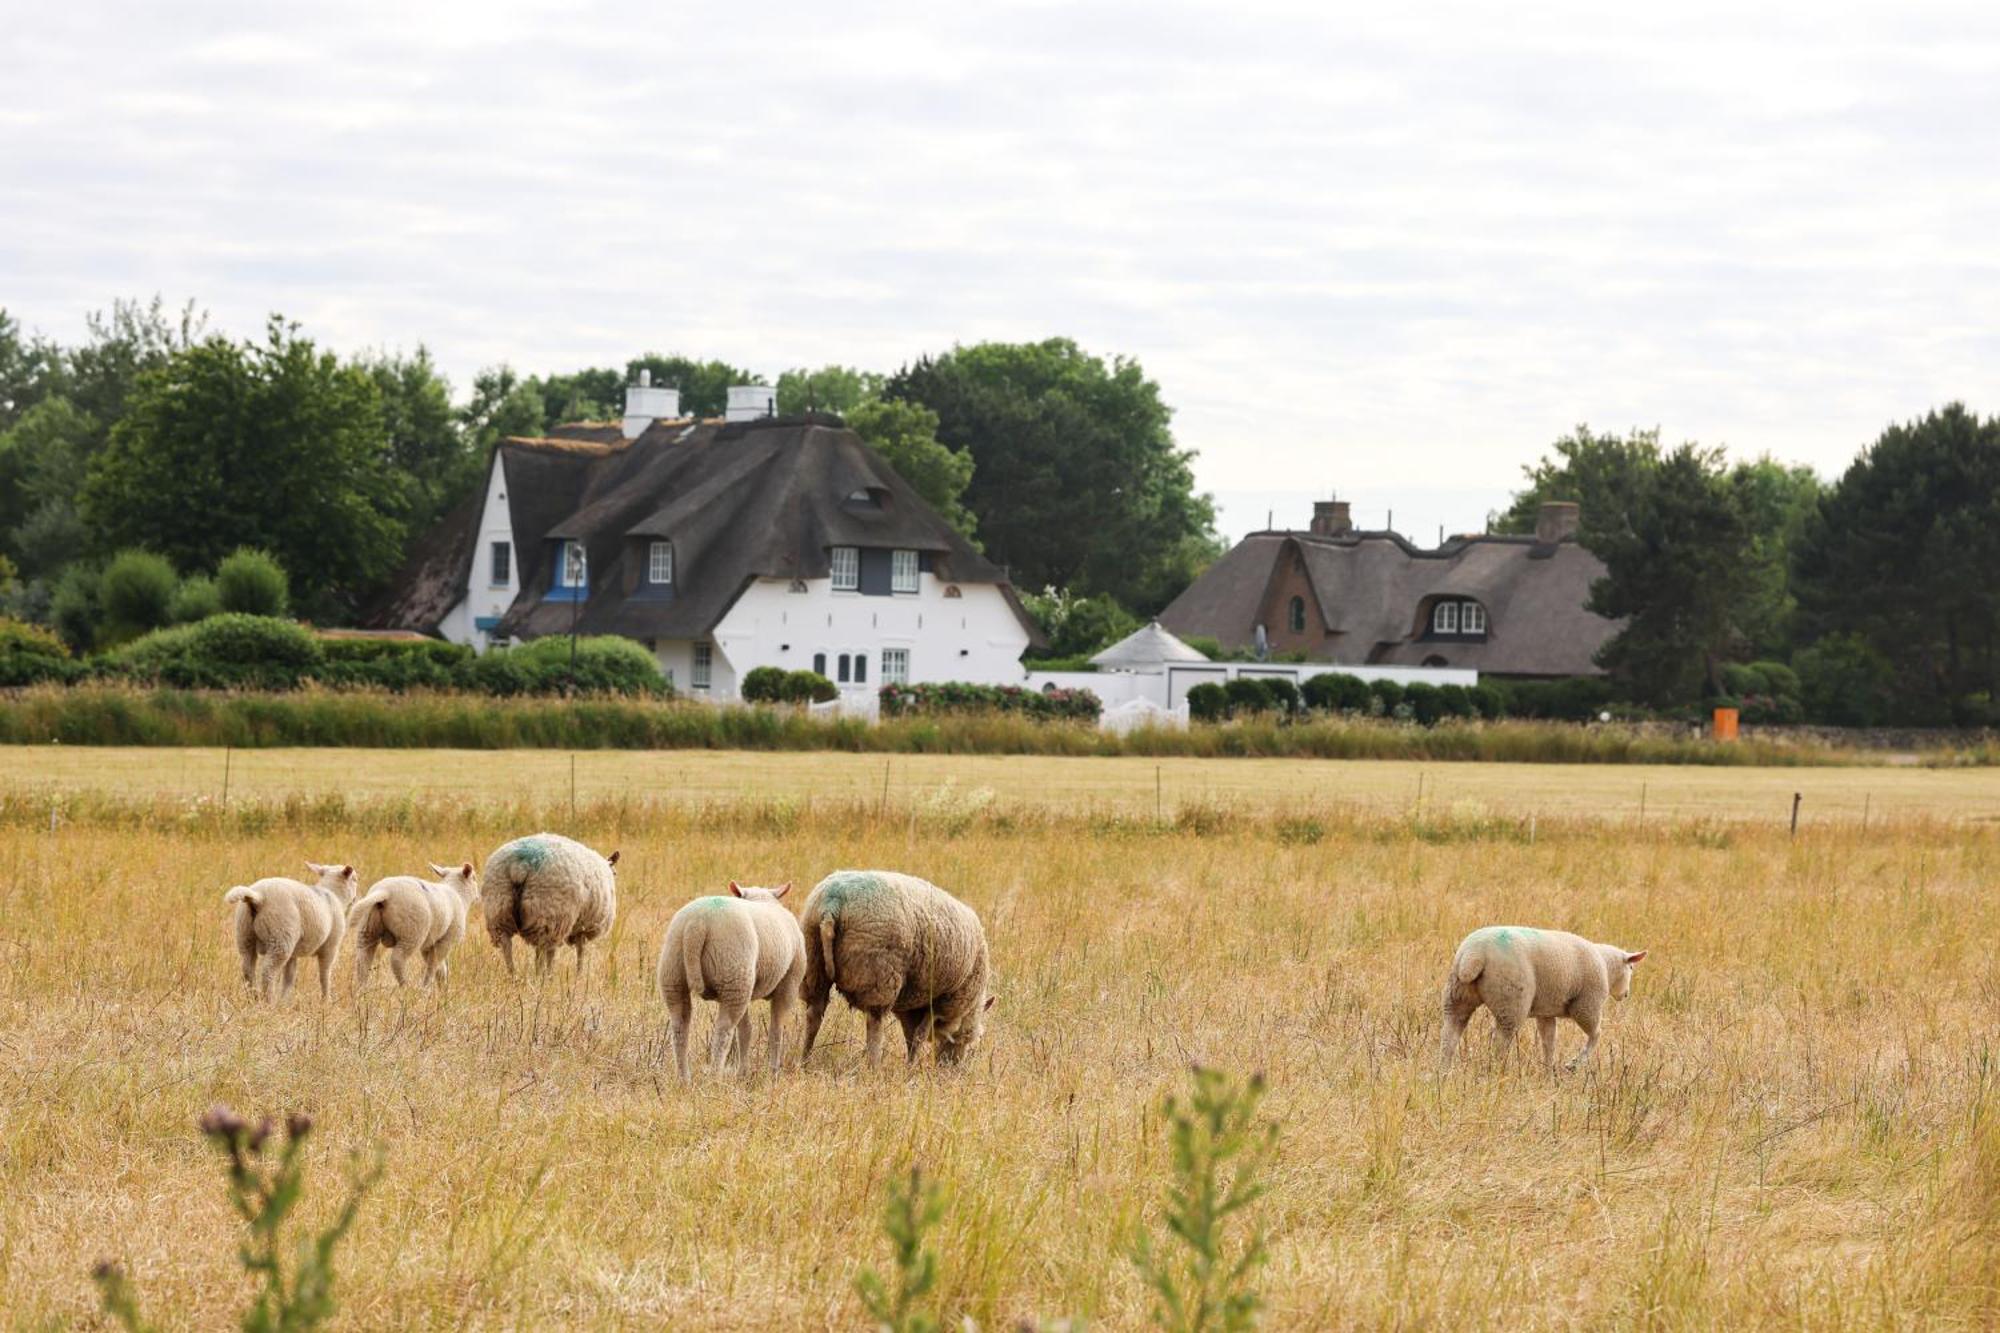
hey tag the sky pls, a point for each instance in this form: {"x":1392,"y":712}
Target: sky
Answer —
{"x":1389,"y":252}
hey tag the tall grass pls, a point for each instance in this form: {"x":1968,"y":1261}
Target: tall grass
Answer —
{"x":119,"y":715}
{"x":1793,"y":1121}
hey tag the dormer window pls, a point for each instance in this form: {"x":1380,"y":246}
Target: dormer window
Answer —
{"x":866,"y":500}
{"x":660,"y":564}
{"x":1458,"y":618}
{"x":902,"y":571}
{"x":573,"y":568}
{"x":846,"y":568}
{"x":1295,"y":615}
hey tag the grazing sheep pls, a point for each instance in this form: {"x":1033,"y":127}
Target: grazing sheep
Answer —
{"x":550,"y":891}
{"x":1518,"y":972}
{"x":732,"y":950}
{"x":279,"y":921}
{"x":896,"y":944}
{"x":412,"y":916}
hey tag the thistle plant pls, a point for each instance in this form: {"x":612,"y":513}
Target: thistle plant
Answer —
{"x":915,"y":1206}
{"x":295,"y":1296}
{"x":1220,"y":1150}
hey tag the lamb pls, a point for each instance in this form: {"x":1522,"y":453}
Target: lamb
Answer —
{"x":412,"y":917}
{"x":897,"y":944}
{"x":1518,"y":972}
{"x":550,"y":891}
{"x":732,"y":950}
{"x":279,"y":921}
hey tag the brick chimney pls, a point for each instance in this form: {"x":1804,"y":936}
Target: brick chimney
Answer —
{"x":1330,"y":519}
{"x":1558,"y":519}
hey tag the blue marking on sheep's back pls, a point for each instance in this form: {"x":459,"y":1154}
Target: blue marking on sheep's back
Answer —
{"x":530,"y":851}
{"x":850,"y":886}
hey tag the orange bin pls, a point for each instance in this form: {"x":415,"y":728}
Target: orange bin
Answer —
{"x":1725,"y":724}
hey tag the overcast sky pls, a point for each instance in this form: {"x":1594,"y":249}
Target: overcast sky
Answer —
{"x":1374,"y":250}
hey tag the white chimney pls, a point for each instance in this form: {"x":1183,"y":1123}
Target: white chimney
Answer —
{"x":748,"y":402}
{"x":644,"y":404}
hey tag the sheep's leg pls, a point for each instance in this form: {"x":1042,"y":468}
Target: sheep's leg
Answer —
{"x":399,"y":962}
{"x":815,"y":1014}
{"x":728,"y":1015}
{"x":507,"y":952}
{"x":917,"y":1027}
{"x":1587,"y":1020}
{"x":1454,"y":1028}
{"x":781,"y":1009}
{"x":1545,"y":1028}
{"x":579,"y":959}
{"x":1503,"y":1040}
{"x":544,"y":959}
{"x":249,"y":958}
{"x":326,"y":974}
{"x":680,"y":1014}
{"x":875,"y":1037}
{"x":264,"y":976}
{"x":364,"y":962}
{"x":439,"y":968}
{"x":291,"y":975}
{"x":740,"y":1057}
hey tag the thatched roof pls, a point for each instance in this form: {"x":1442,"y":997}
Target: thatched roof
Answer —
{"x":1373,"y":591}
{"x":1148,"y":646}
{"x":738,"y":500}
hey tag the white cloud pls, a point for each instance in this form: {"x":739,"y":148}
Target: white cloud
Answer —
{"x":1382,"y":250}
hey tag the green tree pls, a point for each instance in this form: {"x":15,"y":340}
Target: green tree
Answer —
{"x":26,"y":370}
{"x":424,"y":445}
{"x":1778,"y":500}
{"x":42,"y":461}
{"x":136,"y":595}
{"x":252,"y":582}
{"x":1078,"y":482}
{"x":1679,"y":569}
{"x":273,"y":444}
{"x":836,"y":389}
{"x":1605,"y":474}
{"x":584,"y":395}
{"x":1897,"y":553}
{"x":905,"y":434}
{"x":502,"y":405}
{"x":1078,"y":626}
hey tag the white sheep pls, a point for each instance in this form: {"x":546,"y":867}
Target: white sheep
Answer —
{"x":1519,"y":972}
{"x":896,"y":944}
{"x":279,"y":921}
{"x":412,"y":917}
{"x":732,"y":950}
{"x":551,"y":891}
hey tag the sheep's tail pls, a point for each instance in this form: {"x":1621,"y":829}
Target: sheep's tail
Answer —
{"x":692,"y":944}
{"x":371,"y":900}
{"x":827,"y":929}
{"x":250,"y":896}
{"x":1465,"y":968}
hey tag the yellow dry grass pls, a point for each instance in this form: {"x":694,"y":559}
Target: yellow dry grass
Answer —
{"x":1795,"y":1120}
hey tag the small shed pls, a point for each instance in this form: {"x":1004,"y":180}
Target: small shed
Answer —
{"x":1147,"y":649}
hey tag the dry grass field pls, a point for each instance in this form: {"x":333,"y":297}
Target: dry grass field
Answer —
{"x":1795,"y":1120}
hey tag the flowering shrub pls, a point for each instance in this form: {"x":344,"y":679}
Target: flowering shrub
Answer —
{"x":957,"y":696}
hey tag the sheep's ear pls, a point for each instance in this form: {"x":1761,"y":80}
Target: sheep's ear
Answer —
{"x":466,"y":870}
{"x":437,"y":869}
{"x":782,"y":889}
{"x":1634,"y":959}
{"x":611,"y":859}
{"x":316,"y":869}
{"x":735,"y":889}
{"x":347,"y":872}
{"x":989,"y":1002}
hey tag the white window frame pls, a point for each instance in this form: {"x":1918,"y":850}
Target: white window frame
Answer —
{"x":1444,"y":618}
{"x":575,"y":573}
{"x":846,"y":562}
{"x":1472,"y":619}
{"x":902,"y":571}
{"x":660,"y":564}
{"x":895,"y":666}
{"x":700,"y":672}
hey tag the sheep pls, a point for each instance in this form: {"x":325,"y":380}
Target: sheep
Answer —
{"x":1519,"y":972}
{"x":732,"y":950}
{"x":896,"y":944}
{"x":412,"y":916}
{"x":550,"y":891}
{"x":279,"y":921}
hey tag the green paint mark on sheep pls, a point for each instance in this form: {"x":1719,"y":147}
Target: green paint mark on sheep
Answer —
{"x":530,"y":852}
{"x":851,"y":886}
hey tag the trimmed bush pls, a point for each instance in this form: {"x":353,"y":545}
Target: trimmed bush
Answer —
{"x":229,"y":651}
{"x":253,"y":582}
{"x":764,"y":685}
{"x":1247,"y":695}
{"x":808,"y":687}
{"x":196,"y":599}
{"x":395,"y":664}
{"x":1488,"y":701}
{"x":73,"y":607}
{"x":135,"y":596}
{"x":1426,"y":702}
{"x":1284,"y":694}
{"x":1336,"y":692}
{"x":604,"y":664}
{"x":1207,"y":702}
{"x":34,"y":655}
{"x":1387,"y":694}
{"x":1457,"y":701}
{"x":964,"y":697}
{"x":1577,"y":699}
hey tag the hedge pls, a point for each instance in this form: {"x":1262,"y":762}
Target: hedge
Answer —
{"x":964,"y":697}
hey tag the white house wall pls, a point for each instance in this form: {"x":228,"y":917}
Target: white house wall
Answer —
{"x":973,"y":637}
{"x":484,"y":600}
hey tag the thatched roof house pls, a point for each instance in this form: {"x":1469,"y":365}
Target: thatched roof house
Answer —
{"x":1501,"y":605}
